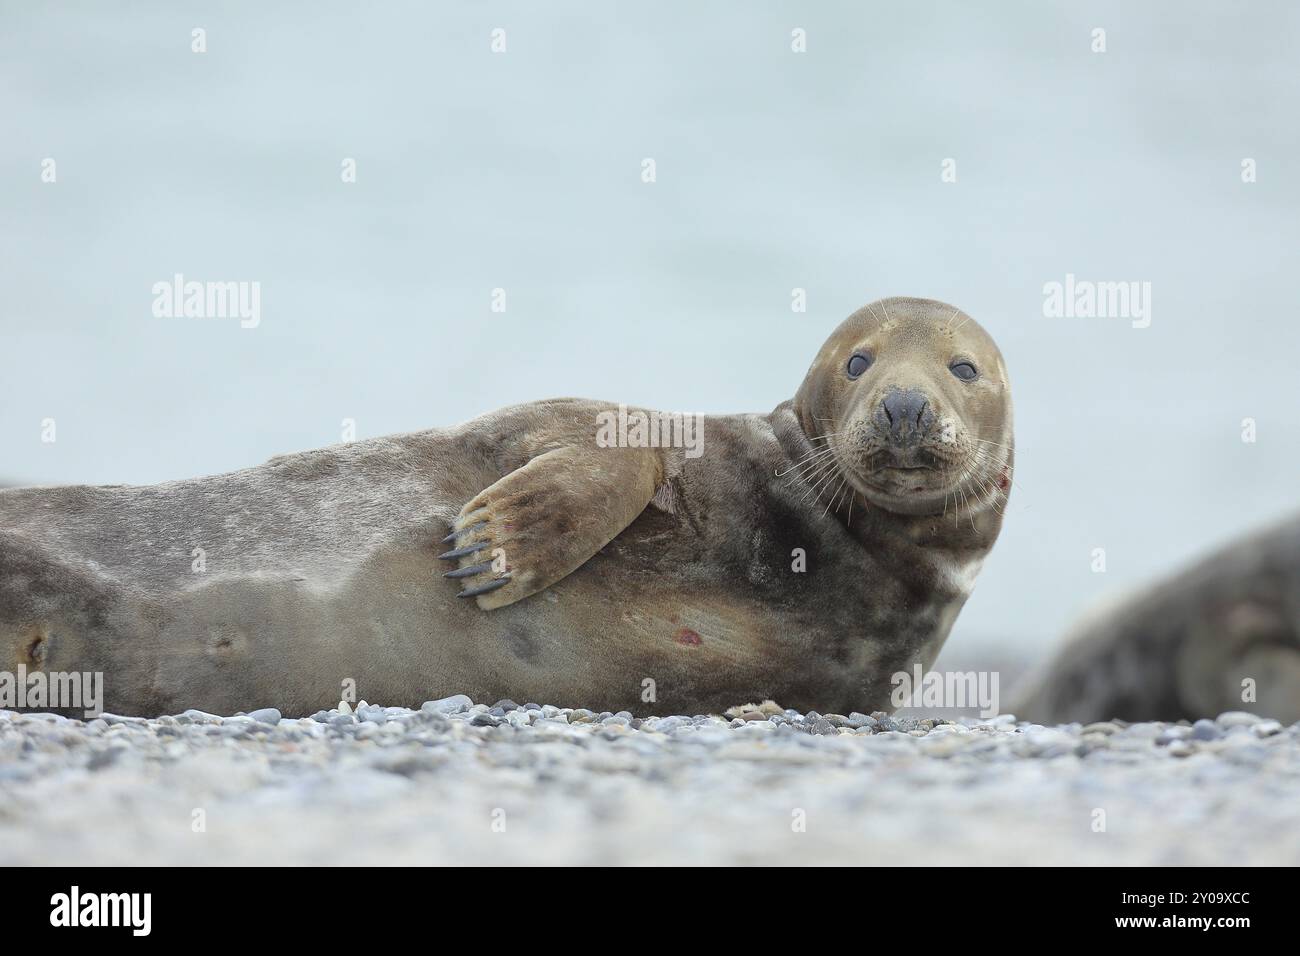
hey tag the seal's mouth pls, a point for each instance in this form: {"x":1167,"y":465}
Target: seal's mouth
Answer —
{"x":882,"y":456}
{"x":918,"y":474}
{"x":908,"y":476}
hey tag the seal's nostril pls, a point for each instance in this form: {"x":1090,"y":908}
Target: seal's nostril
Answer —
{"x":907,"y":413}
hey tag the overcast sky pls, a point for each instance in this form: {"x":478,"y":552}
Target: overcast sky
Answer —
{"x":775,"y":170}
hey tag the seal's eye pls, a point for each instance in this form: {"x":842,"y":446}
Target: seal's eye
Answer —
{"x":859,"y":364}
{"x":964,"y":371}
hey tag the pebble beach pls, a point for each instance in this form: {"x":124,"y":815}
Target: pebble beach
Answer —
{"x":459,"y":783}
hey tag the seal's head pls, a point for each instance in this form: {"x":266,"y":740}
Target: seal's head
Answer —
{"x":913,"y":398}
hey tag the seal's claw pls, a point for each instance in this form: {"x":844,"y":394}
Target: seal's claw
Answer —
{"x":467,"y":571}
{"x":456,"y":532}
{"x":461,"y":552}
{"x":485,"y":588}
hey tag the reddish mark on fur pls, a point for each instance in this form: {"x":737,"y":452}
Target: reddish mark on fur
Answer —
{"x":1003,"y":481}
{"x":688,"y":637}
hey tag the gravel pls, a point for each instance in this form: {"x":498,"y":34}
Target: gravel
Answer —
{"x":459,"y":782}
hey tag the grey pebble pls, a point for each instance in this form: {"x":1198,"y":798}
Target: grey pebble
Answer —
{"x":1101,"y":727}
{"x":551,"y":723}
{"x":1236,"y":718}
{"x":105,"y":758}
{"x":1145,"y":730}
{"x":455,"y":704}
{"x":119,"y":719}
{"x":1206,"y":730}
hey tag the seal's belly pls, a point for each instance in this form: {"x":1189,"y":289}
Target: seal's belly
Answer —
{"x":660,"y":622}
{"x":666,"y":649}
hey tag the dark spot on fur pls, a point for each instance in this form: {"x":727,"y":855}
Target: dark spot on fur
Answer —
{"x":37,"y":650}
{"x":521,"y":501}
{"x":522,"y":643}
{"x":688,"y":637}
{"x":225,"y":641}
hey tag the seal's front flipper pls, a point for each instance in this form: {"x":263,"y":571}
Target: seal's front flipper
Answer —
{"x":544,"y":520}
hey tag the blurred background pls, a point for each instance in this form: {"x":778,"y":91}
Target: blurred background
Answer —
{"x":775,"y":170}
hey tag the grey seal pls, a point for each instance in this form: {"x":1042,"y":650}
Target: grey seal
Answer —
{"x":803,"y":555}
{"x":1221,"y":635}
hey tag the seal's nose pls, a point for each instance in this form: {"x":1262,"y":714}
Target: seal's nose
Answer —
{"x":905,"y":413}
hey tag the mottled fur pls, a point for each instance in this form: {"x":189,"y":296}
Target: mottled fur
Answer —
{"x":322,"y":566}
{"x":1183,"y":648}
